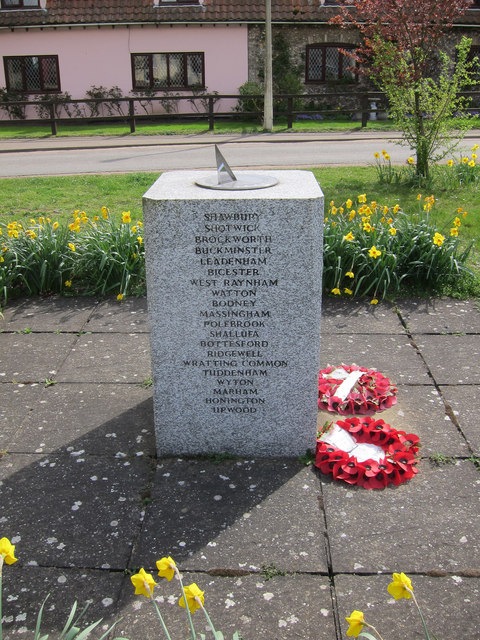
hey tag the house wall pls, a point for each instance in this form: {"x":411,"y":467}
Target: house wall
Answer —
{"x":101,"y":56}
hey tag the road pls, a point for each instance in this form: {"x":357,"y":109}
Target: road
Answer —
{"x":70,"y":156}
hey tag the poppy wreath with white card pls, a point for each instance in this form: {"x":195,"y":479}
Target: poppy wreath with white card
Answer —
{"x":353,"y":390}
{"x":366,"y":452}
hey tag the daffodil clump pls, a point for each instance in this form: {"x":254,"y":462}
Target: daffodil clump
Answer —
{"x":94,"y":255}
{"x":371,"y":249}
{"x":463,"y":170}
{"x":192,"y":596}
{"x":400,"y":587}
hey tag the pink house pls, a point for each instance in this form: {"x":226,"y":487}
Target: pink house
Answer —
{"x":168,"y":46}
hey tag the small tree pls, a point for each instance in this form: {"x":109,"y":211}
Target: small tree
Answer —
{"x":401,"y":53}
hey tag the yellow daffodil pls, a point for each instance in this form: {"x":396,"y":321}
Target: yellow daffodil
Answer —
{"x":349,"y":204}
{"x":411,"y":160}
{"x":393,"y":231}
{"x":454,"y":231}
{"x":348,"y":291}
{"x":374,"y":301}
{"x":396,"y":208}
{"x":450,"y":163}
{"x":376,"y":155}
{"x":352,"y":214}
{"x":474,"y":156}
{"x":55,"y":225}
{"x":349,"y":237}
{"x":193,"y":596}
{"x":471,"y":163}
{"x":166,"y":568}
{"x":340,"y":210}
{"x":71,"y":246}
{"x":7,"y":551}
{"x":401,"y":587}
{"x":386,"y":156}
{"x":374,"y":252}
{"x":368,"y":227}
{"x":68,"y":283}
{"x":384,"y":153}
{"x":336,"y":292}
{"x":438,"y":239}
{"x":139,"y":224}
{"x":333,"y":211}
{"x":362,"y":198}
{"x":139,"y":240}
{"x":457,"y":222}
{"x":2,"y":259}
{"x":385,"y":210}
{"x":350,"y":274}
{"x":332,"y":202}
{"x":465,"y":160}
{"x":126,"y":217}
{"x":355,"y":620}
{"x":475,"y":147}
{"x":120,"y":297}
{"x":143,"y":583}
{"x":419,"y":197}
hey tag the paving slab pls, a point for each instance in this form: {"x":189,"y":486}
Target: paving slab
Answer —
{"x":450,"y":605}
{"x":431,"y":522}
{"x":108,"y":358}
{"x":419,"y":410}
{"x":392,"y":355}
{"x":48,"y":314}
{"x":100,"y":419}
{"x":465,"y":400}
{"x":281,"y":608}
{"x":17,"y":402}
{"x":236,"y":515}
{"x":440,"y":315}
{"x":25,"y":588}
{"x":72,"y":511}
{"x":33,"y":357}
{"x":129,"y":315}
{"x":453,"y":359}
{"x":359,"y":316}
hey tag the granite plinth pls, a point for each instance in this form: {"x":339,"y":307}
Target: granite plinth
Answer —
{"x":234,"y":296}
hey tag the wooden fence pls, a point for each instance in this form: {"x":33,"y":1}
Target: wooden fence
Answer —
{"x":359,"y":106}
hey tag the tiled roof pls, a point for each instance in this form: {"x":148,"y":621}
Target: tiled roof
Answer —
{"x":60,"y":12}
{"x":83,"y":12}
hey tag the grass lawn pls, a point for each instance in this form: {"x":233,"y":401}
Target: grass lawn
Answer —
{"x":57,"y":197}
{"x":188,"y":127}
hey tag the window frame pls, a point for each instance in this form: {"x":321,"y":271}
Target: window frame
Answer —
{"x":169,"y":86}
{"x":341,"y":62}
{"x":20,"y":5}
{"x":25,"y":89}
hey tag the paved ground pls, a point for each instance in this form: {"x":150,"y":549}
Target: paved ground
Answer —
{"x":86,"y":501}
{"x":120,"y":154}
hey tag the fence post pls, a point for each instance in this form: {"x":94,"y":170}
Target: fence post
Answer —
{"x":131,"y":114}
{"x":53,"y":123}
{"x":210,"y":113}
{"x":289,"y":112}
{"x":365,"y":109}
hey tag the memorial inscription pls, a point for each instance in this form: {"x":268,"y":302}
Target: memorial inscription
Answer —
{"x":234,"y":290}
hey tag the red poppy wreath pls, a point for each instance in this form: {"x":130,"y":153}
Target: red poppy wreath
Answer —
{"x":366,"y":452}
{"x":351,"y":390}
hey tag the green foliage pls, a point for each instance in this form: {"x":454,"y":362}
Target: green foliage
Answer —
{"x":376,"y":250}
{"x":270,"y":571}
{"x":97,"y":107}
{"x":95,"y":256}
{"x":423,"y":107}
{"x":251,"y":99}
{"x":7,"y":103}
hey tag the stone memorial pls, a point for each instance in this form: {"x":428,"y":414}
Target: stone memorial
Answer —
{"x":234,"y":285}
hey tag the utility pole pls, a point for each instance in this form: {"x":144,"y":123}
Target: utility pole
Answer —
{"x":268,"y":97}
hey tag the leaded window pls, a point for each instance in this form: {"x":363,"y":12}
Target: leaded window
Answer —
{"x":325,"y":62}
{"x":32,"y":74}
{"x":168,"y":70}
{"x":19,"y":4}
